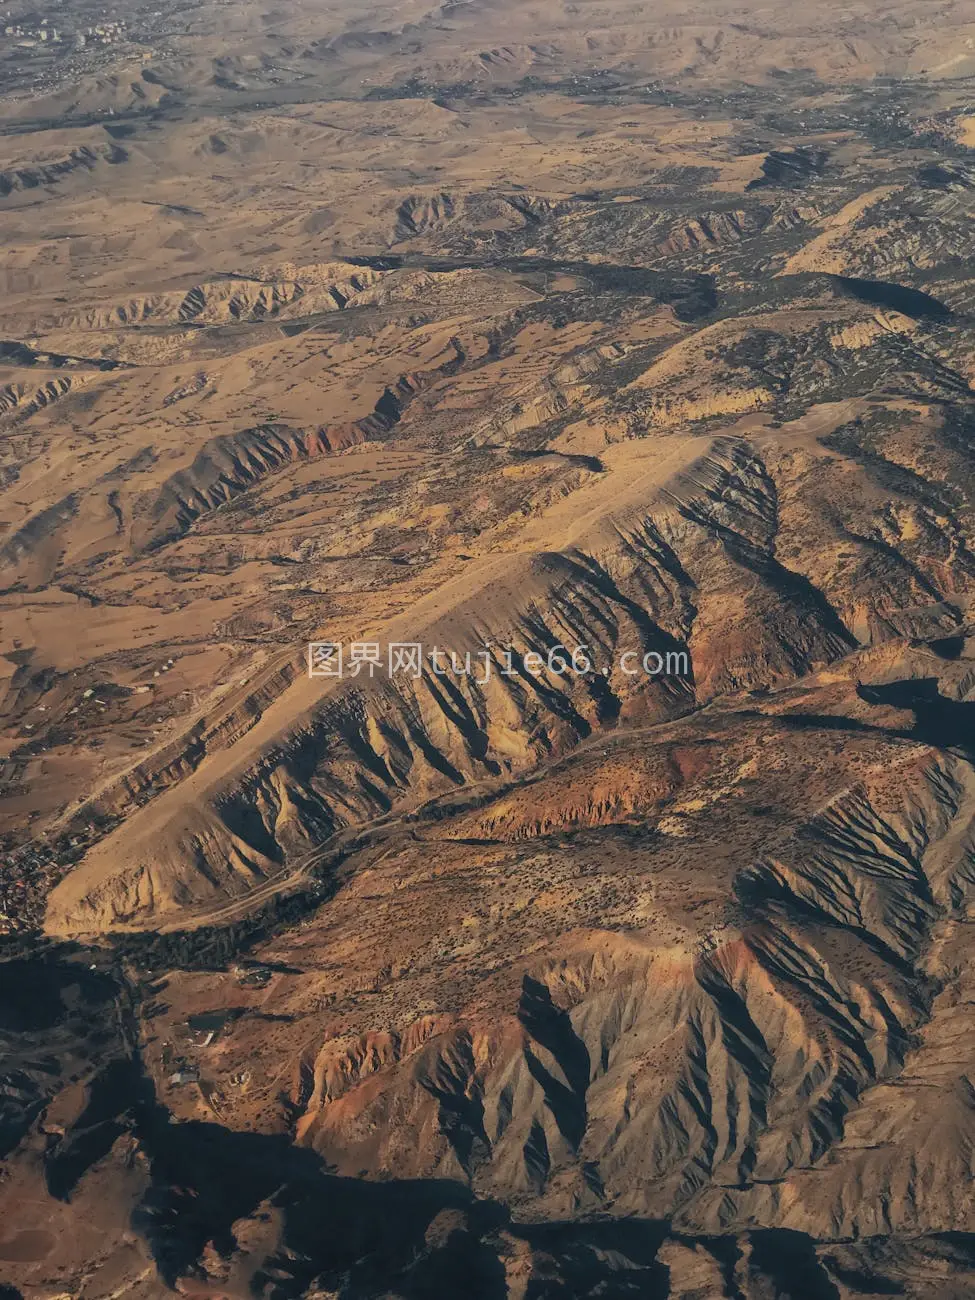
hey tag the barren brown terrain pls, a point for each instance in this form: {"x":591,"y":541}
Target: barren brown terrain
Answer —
{"x":639,"y":333}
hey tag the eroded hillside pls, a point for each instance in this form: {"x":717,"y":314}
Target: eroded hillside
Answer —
{"x":506,"y":334}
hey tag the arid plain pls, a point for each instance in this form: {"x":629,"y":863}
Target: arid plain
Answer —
{"x":494,"y":329}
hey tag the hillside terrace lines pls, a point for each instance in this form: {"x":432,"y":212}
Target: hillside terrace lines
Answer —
{"x":228,"y":465}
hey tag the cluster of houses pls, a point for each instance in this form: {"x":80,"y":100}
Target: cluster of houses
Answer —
{"x":37,"y":35}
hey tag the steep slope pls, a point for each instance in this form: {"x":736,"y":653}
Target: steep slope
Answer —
{"x":618,"y":361}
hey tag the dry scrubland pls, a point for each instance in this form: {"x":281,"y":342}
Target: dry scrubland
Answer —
{"x":637,"y":326}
